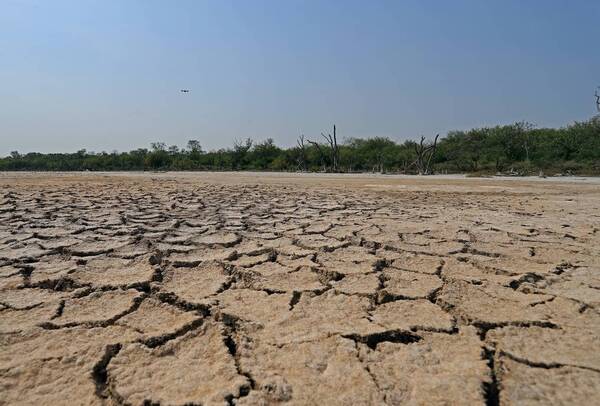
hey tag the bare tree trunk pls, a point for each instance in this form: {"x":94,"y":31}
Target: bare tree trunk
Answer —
{"x":431,"y":152}
{"x":333,"y":145}
{"x":419,"y":150}
{"x":337,"y":151}
{"x":424,"y":155}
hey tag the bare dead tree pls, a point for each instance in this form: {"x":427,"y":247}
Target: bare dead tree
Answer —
{"x":302,"y":154}
{"x":431,"y":154}
{"x":335,"y":151}
{"x":424,"y":155}
{"x":597,"y":100}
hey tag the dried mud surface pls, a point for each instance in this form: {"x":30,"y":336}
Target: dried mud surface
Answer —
{"x":216,"y":289}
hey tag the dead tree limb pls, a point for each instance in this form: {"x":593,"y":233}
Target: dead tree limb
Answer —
{"x":597,"y":100}
{"x":335,"y":151}
{"x":431,"y":152}
{"x":424,"y":155}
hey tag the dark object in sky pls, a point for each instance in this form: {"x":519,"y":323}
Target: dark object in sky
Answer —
{"x":184,"y":91}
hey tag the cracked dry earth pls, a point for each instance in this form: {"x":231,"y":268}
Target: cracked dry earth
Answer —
{"x":226,"y":289}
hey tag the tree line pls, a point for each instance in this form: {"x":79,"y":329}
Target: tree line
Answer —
{"x":517,"y":149}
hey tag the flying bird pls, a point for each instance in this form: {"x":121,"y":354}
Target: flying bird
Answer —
{"x":184,"y":90}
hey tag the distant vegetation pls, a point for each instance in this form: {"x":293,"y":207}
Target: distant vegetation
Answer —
{"x":517,"y":149}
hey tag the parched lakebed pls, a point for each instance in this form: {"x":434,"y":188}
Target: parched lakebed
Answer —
{"x":261,"y":289}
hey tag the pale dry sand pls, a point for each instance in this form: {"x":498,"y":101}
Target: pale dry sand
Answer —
{"x":263,"y":288}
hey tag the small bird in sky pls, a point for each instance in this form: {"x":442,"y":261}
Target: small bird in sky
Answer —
{"x":184,"y":90}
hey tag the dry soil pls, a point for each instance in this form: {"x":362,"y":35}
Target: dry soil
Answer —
{"x":261,"y":289}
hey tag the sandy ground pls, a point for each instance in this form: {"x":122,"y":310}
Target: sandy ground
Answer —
{"x":260,"y":289}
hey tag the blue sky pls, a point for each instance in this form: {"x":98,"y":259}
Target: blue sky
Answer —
{"x":106,"y":75}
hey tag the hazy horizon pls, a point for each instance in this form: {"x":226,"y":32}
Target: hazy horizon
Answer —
{"x":107,"y":75}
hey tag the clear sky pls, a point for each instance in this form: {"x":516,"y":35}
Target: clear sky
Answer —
{"x":106,"y":74}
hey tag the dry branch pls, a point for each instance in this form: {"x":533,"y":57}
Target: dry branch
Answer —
{"x":335,"y":151}
{"x":424,"y":155}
